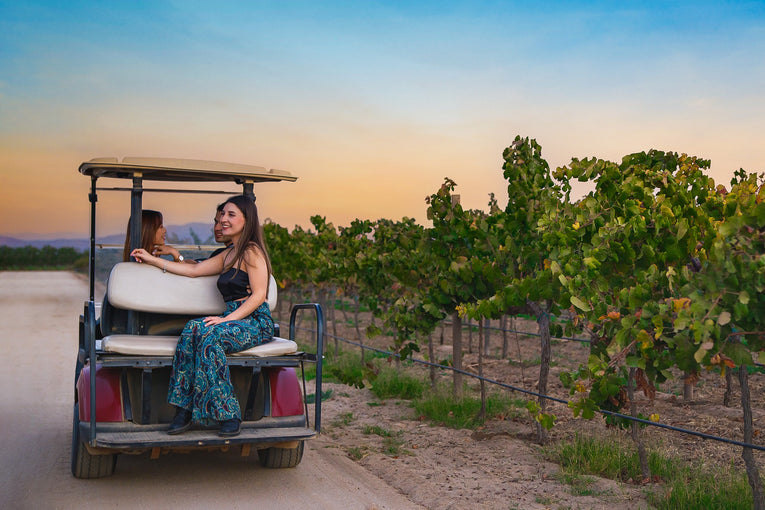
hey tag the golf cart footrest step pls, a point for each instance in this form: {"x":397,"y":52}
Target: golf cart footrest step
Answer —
{"x":205,"y":437}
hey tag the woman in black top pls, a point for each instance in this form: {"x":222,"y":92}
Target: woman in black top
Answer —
{"x":200,"y":385}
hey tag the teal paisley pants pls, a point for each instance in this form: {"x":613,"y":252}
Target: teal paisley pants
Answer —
{"x":200,"y":380}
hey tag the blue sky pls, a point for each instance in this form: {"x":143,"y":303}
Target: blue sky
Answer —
{"x":370,"y":104}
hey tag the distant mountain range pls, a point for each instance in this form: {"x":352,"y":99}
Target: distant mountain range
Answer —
{"x":190,"y":233}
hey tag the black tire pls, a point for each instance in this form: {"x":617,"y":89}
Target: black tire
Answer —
{"x":85,"y":465}
{"x":280,"y":458}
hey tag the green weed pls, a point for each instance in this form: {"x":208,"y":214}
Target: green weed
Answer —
{"x":392,"y":383}
{"x":344,"y":419}
{"x":440,"y":407}
{"x":377,"y":430}
{"x":357,"y":452}
{"x":325,"y":395}
{"x":392,"y":442}
{"x":684,"y":486}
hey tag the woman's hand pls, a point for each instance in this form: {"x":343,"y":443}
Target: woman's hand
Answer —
{"x":164,"y":249}
{"x":214,"y":320}
{"x":141,"y":255}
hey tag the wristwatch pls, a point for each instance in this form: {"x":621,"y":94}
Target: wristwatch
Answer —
{"x":180,"y":258}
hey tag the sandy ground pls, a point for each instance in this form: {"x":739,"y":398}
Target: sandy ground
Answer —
{"x":38,"y":331}
{"x":442,"y":468}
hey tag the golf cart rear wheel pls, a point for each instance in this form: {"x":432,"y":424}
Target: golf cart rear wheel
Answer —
{"x":85,"y":465}
{"x":279,"y":458}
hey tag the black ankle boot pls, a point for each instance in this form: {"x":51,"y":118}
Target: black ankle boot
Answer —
{"x":181,"y":422}
{"x":229,"y":428}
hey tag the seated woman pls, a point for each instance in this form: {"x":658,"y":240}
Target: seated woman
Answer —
{"x":200,"y":385}
{"x":153,"y":235}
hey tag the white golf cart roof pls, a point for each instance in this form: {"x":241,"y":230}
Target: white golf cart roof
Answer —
{"x":170,"y":169}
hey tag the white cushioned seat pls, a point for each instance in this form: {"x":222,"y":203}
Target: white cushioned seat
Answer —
{"x":144,"y":288}
{"x":153,"y":345}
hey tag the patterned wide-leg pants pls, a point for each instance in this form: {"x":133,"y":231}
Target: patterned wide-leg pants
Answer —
{"x":200,"y":380}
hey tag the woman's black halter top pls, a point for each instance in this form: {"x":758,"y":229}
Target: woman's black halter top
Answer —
{"x":234,"y":284}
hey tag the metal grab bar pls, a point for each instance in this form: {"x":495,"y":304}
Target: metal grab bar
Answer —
{"x":320,"y":326}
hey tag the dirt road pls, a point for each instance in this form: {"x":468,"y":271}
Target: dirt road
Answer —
{"x":38,"y":332}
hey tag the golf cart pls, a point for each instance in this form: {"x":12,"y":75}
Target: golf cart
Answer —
{"x":122,"y":408}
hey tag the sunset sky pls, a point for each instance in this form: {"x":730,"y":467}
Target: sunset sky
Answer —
{"x":370,"y":104}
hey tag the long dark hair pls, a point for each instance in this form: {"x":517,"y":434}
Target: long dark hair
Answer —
{"x":252,"y":232}
{"x":150,"y":223}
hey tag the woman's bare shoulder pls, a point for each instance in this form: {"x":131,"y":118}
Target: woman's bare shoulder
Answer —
{"x":253,"y":255}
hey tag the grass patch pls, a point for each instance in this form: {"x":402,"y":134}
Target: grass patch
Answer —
{"x":392,"y":383}
{"x":393,"y":446}
{"x":684,"y":486}
{"x":392,"y":442}
{"x":346,"y":368}
{"x":605,"y":458}
{"x":581,"y":485}
{"x":325,"y":395}
{"x":693,"y":487}
{"x":440,"y":407}
{"x":357,"y":452}
{"x":343,"y":420}
{"x":377,"y":430}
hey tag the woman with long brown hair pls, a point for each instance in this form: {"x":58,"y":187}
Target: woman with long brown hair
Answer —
{"x":153,"y":236}
{"x":200,"y":385}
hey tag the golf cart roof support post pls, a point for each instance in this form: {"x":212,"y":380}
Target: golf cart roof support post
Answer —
{"x":93,"y":198}
{"x":248,"y":189}
{"x":136,"y":205}
{"x":136,"y":226}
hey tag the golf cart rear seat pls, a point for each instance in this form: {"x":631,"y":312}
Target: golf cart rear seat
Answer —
{"x":163,"y":303}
